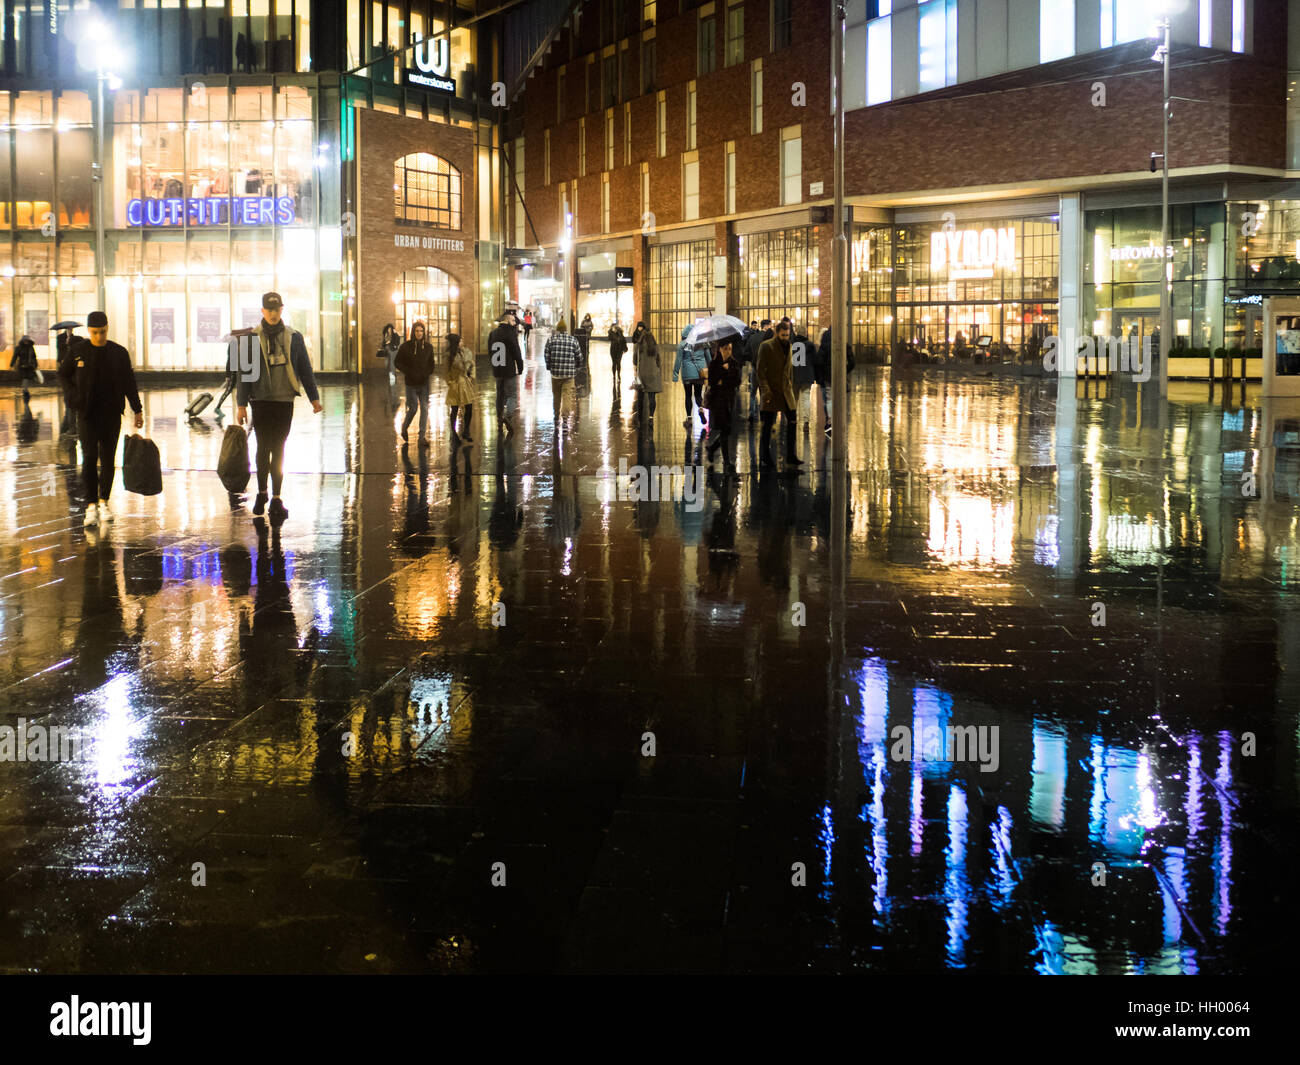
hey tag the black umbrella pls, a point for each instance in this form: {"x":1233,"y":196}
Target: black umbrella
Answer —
{"x":67,"y":325}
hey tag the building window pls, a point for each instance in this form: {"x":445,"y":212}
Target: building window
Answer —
{"x":735,"y":34}
{"x":1238,"y":25}
{"x":648,"y":64}
{"x":546,"y":157}
{"x":559,"y":97}
{"x":431,"y":296}
{"x":589,"y":102}
{"x":791,"y":165}
{"x":782,"y":23}
{"x":427,"y":191}
{"x":661,"y":124}
{"x":680,"y":286}
{"x":627,"y":134}
{"x":604,"y":203}
{"x":1123,"y":21}
{"x":937,"y":42}
{"x":648,"y":12}
{"x":609,"y":80}
{"x":624,"y":78}
{"x":775,"y":274}
{"x":691,"y":98}
{"x":1055,"y":29}
{"x":690,"y":187}
{"x":573,"y":206}
{"x":706,"y":60}
{"x":756,"y":97}
{"x":879,"y":60}
{"x":582,"y":147}
{"x":520,"y":217}
{"x":645,"y":189}
{"x":1207,"y":24}
{"x":730,"y":207}
{"x":609,"y":139}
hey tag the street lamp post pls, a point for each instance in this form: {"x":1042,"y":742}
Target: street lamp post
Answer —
{"x":1166,"y":315}
{"x":839,"y":256}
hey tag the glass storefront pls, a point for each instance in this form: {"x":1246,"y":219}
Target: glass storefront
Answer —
{"x":680,"y":287}
{"x":431,"y":296}
{"x":774,"y":275}
{"x":933,"y":291}
{"x":213,"y":196}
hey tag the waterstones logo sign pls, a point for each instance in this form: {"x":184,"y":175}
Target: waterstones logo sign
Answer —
{"x":432,"y":61}
{"x":75,"y":1017}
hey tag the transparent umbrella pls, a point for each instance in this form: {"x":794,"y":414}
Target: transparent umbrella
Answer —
{"x":715,"y":327}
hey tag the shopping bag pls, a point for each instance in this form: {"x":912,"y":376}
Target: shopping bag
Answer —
{"x":40,"y":377}
{"x":141,"y":466}
{"x":233,"y":467}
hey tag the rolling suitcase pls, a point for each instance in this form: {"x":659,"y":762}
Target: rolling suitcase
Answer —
{"x":199,"y":405}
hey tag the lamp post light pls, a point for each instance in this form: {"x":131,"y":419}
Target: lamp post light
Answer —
{"x":95,"y":41}
{"x":1166,"y":282}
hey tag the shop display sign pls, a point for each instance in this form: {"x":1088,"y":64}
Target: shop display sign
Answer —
{"x":1130,"y":253}
{"x":162,"y":326}
{"x":622,"y":275}
{"x":212,"y":211}
{"x":38,"y":327}
{"x":432,"y":60}
{"x":208,"y":324}
{"x":410,"y":240}
{"x":973,"y":253}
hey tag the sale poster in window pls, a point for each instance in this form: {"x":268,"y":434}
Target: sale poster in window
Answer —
{"x":207,"y":324}
{"x":162,"y":325}
{"x":38,"y":327}
{"x":250,"y":317}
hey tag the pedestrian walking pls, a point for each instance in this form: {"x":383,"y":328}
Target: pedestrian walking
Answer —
{"x":803,"y":358}
{"x":388,"y":346}
{"x":24,"y":361}
{"x":414,"y":361}
{"x":462,"y":387}
{"x":507,"y":365}
{"x":692,"y":365}
{"x":776,"y":394}
{"x":528,"y":324}
{"x":99,"y":377}
{"x":64,"y":346}
{"x":752,"y":345}
{"x":617,"y":349}
{"x":280,"y":371}
{"x":562,"y":356}
{"x":724,"y":386}
{"x":649,"y":373}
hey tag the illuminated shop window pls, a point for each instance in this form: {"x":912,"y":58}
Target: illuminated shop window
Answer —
{"x":426,"y":191}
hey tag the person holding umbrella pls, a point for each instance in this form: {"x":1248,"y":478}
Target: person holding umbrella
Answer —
{"x":63,"y":345}
{"x":723,"y":399}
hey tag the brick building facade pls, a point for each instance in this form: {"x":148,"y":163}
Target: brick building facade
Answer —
{"x":1033,"y":151}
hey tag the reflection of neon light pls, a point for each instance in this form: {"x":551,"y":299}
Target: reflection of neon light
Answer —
{"x":1047,"y":789}
{"x":956,"y":886}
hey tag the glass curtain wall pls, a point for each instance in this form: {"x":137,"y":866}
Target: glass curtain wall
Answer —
{"x":774,"y":275}
{"x":680,"y":287}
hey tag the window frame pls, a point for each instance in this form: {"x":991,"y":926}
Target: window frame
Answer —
{"x":445,"y":184}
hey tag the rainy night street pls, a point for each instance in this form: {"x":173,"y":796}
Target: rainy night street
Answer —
{"x":485,"y":709}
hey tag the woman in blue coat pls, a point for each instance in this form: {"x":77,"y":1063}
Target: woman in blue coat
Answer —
{"x":692,"y":366}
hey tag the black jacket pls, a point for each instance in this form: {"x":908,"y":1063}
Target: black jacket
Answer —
{"x":100,"y":379}
{"x":754,"y":342}
{"x":513,"y":365}
{"x":414,"y":361}
{"x":617,"y":343}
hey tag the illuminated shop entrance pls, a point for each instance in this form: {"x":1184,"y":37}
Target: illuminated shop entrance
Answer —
{"x":431,"y":296}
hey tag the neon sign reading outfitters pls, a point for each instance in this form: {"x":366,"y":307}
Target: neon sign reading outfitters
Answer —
{"x":212,"y":211}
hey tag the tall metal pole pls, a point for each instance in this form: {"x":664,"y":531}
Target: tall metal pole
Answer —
{"x":100,"y":251}
{"x":839,"y":255}
{"x":1166,"y":316}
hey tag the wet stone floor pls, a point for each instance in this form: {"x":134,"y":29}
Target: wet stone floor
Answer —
{"x":469,"y":710}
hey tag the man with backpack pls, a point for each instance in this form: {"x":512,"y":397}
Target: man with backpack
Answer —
{"x":24,"y":361}
{"x":101,"y":381}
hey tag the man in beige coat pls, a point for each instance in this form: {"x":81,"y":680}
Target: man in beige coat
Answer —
{"x":776,"y":392}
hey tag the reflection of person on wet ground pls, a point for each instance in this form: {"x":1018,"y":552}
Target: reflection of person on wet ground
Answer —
{"x":270,"y":641}
{"x":565,"y":516}
{"x":773,"y":512}
{"x":416,"y":481}
{"x":462,"y":516}
{"x":103,"y":648}
{"x":647,"y":511}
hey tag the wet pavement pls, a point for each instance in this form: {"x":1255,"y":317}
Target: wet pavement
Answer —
{"x":411,"y":729}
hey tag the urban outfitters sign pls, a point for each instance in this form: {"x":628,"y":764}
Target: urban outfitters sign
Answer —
{"x":973,"y":253}
{"x":408,"y":240}
{"x":212,"y":211}
{"x":432,"y":60}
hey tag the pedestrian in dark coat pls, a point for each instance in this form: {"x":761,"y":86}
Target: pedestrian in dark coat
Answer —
{"x":617,"y":349}
{"x":101,"y":382}
{"x":777,"y":393}
{"x":724,"y":386}
{"x":415,"y":361}
{"x":24,"y":361}
{"x":507,"y":364}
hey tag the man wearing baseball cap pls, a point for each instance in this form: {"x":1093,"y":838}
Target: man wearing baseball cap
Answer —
{"x":273,"y":383}
{"x":99,"y":383}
